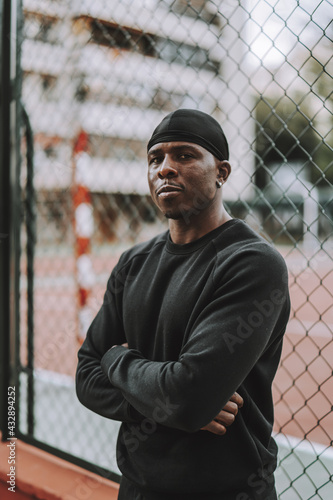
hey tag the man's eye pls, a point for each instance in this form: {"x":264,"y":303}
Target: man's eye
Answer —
{"x":185,"y":156}
{"x":155,"y":160}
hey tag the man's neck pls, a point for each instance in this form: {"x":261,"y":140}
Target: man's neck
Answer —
{"x":182,"y":231}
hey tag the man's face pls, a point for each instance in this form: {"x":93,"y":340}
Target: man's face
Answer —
{"x":182,"y":178}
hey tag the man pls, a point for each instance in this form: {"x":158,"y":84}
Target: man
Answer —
{"x":191,"y":327}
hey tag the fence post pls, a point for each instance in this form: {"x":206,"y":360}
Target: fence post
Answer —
{"x":4,"y":221}
{"x":83,"y":231}
{"x":10,"y":205}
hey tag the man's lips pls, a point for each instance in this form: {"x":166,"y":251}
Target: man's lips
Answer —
{"x":168,"y":188}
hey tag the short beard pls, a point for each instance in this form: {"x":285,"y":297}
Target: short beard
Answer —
{"x":184,"y":213}
{"x":174,"y":216}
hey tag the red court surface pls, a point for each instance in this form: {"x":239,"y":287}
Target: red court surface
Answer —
{"x":303,"y":389}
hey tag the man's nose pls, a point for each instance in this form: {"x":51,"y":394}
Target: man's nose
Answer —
{"x":167,"y":169}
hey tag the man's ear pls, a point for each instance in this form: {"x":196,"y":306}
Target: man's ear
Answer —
{"x":224,"y":170}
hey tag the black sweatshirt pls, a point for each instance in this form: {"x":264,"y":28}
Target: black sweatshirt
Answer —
{"x":202,"y":321}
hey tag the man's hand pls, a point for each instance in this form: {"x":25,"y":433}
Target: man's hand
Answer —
{"x":124,"y":345}
{"x":226,"y":416}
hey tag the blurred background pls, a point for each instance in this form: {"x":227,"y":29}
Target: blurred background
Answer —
{"x":90,"y":80}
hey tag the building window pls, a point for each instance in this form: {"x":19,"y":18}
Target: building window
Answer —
{"x":130,"y":39}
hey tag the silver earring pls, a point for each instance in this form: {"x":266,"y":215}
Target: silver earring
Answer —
{"x":219,"y":184}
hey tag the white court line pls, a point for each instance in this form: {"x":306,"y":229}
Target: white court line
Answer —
{"x":295,"y":444}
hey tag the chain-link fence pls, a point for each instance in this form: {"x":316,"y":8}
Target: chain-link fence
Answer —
{"x":97,"y":78}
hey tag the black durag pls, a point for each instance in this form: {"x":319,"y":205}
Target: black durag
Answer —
{"x":191,"y":125}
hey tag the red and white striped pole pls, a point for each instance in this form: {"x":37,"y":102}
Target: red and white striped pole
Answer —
{"x":83,"y":231}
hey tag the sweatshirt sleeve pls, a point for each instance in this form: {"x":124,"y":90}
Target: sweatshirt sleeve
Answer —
{"x":93,"y":388}
{"x":249,"y":302}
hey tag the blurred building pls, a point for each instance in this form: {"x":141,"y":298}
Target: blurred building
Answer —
{"x":114,"y":69}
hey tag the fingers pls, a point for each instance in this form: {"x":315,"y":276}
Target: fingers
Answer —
{"x":124,"y":345}
{"x":231,"y":408}
{"x":236,"y":398}
{"x":226,"y":418}
{"x":215,"y":427}
{"x":227,"y":415}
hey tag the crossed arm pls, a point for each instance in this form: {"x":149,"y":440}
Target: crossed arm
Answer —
{"x":122,"y":385}
{"x":225,"y":417}
{"x":95,"y":391}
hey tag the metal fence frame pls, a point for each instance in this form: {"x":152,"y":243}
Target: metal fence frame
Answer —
{"x":10,"y":209}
